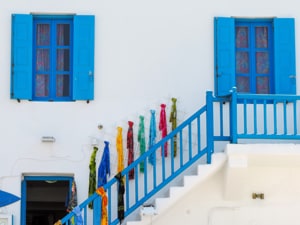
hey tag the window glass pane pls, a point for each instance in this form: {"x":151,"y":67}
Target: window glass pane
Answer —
{"x":62,"y":59}
{"x":261,"y":37}
{"x":242,"y":62}
{"x":43,"y":34}
{"x":262,"y":85}
{"x":243,"y":84}
{"x":262,"y":63}
{"x":41,"y":85}
{"x":63,"y":34}
{"x":63,"y":85}
{"x":241,"y":37}
{"x":42,"y":60}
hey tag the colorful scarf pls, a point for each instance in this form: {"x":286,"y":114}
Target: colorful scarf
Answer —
{"x":163,"y":128}
{"x":73,"y":199}
{"x":130,"y":145}
{"x":121,"y":191}
{"x":152,"y":135}
{"x":141,"y":140}
{"x":104,"y":167}
{"x":92,"y":176}
{"x":77,"y":211}
{"x":104,"y":214}
{"x":173,"y":120}
{"x":119,"y":143}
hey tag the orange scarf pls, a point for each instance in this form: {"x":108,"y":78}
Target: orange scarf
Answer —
{"x":104,"y":218}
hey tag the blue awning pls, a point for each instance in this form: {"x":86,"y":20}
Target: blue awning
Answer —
{"x":7,"y":198}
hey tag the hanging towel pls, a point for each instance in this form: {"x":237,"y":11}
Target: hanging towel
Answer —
{"x":130,"y":147}
{"x":152,"y":135}
{"x":92,"y":177}
{"x":73,"y":198}
{"x":163,"y":128}
{"x":104,"y":215}
{"x":121,"y":191}
{"x":104,"y":167}
{"x":173,"y":121}
{"x":119,"y":144}
{"x":141,"y":140}
{"x":78,"y":219}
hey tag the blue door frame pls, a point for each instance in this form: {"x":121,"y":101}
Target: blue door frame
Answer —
{"x":38,"y":178}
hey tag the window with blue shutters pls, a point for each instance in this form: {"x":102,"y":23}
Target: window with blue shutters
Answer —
{"x":255,"y":56}
{"x":52,"y":57}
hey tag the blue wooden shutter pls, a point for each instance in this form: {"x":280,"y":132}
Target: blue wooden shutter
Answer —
{"x":83,"y":58}
{"x":284,"y":56}
{"x":224,"y":55}
{"x":21,"y":57}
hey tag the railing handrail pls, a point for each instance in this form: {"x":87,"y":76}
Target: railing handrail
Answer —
{"x":273,"y":116}
{"x":176,"y":133}
{"x":257,"y":107}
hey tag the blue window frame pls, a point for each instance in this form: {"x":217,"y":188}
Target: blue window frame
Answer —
{"x":52,"y":57}
{"x":52,"y":61}
{"x":255,"y":55}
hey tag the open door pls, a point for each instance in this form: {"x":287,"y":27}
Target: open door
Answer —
{"x":44,"y":199}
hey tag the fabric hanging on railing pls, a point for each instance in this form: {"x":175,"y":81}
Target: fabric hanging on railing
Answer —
{"x":104,"y":167}
{"x":104,"y":214}
{"x":72,"y":201}
{"x":121,"y":191}
{"x":92,"y":176}
{"x":152,"y":135}
{"x":142,"y":141}
{"x":78,"y":219}
{"x":163,"y":128}
{"x":119,"y":143}
{"x":173,"y":121}
{"x":130,"y":147}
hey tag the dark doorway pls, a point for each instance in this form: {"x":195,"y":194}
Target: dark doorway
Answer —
{"x":46,"y":199}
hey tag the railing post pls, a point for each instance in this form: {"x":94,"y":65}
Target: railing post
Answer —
{"x":233,"y":116}
{"x":209,"y":125}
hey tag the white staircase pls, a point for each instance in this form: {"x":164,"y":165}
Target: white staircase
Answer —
{"x":204,"y":171}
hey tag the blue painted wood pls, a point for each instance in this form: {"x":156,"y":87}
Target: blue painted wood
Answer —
{"x":284,"y":57}
{"x":83,"y":66}
{"x":209,"y":126}
{"x":233,"y":116}
{"x":225,"y":55}
{"x":255,"y":116}
{"x":21,"y":58}
{"x":295,"y":116}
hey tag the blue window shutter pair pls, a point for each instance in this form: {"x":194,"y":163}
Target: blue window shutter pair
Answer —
{"x":83,"y":58}
{"x":284,"y":56}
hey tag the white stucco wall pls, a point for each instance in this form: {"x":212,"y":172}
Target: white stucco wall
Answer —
{"x":145,"y":53}
{"x":225,"y":198}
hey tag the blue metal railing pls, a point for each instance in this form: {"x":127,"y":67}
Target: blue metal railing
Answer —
{"x":238,"y":116}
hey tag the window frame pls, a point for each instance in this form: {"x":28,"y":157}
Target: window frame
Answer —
{"x":252,"y":49}
{"x":52,"y":21}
